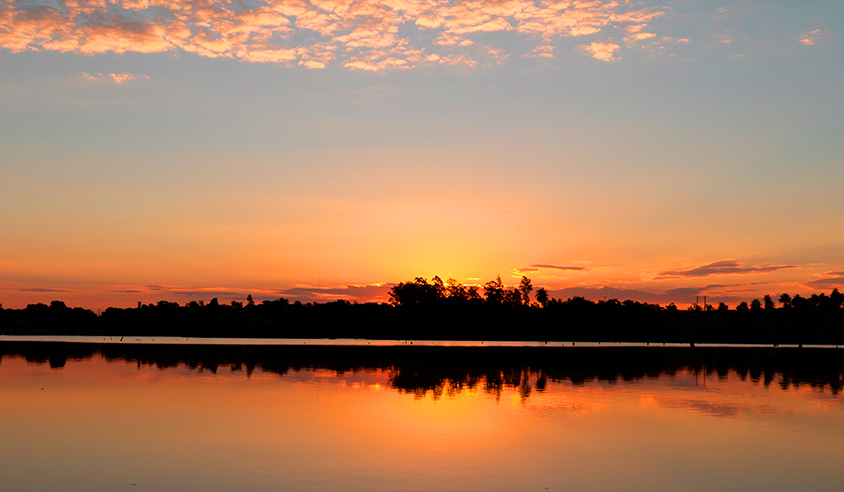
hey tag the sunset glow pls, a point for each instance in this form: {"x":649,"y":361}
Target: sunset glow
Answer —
{"x":316,"y":150}
{"x":195,"y":428}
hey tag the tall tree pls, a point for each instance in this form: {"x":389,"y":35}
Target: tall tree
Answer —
{"x":525,"y":288}
{"x":455,"y":290}
{"x":542,"y":296}
{"x":494,"y":291}
{"x":768,"y":302}
{"x":837,"y":298}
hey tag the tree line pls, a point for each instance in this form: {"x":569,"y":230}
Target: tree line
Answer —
{"x":422,"y":309}
{"x":420,"y":292}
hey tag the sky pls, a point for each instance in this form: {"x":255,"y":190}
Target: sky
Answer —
{"x":316,"y":150}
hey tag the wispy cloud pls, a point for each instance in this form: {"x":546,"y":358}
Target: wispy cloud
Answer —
{"x":44,"y":290}
{"x":560,"y":267}
{"x":357,"y":34}
{"x":725,"y":267}
{"x":602,"y":51}
{"x":356,"y":292}
{"x":197,"y":292}
{"x":638,"y":37}
{"x":680,"y":295}
{"x":111,"y":78}
{"x":623,"y":293}
{"x":812,"y":38}
{"x":543,"y":51}
{"x":828,"y":280}
{"x":538,"y":267}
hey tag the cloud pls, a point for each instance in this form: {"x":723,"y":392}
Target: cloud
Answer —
{"x":622,"y":293}
{"x":356,"y":293}
{"x":813,"y":37}
{"x":639,"y":36}
{"x":596,"y":293}
{"x":543,"y":51}
{"x":828,"y":281}
{"x":602,"y":51}
{"x":558,"y":267}
{"x":43,"y":290}
{"x":198,"y":292}
{"x":538,"y":267}
{"x":115,"y":78}
{"x":725,"y":267}
{"x":680,"y":295}
{"x":356,"y":34}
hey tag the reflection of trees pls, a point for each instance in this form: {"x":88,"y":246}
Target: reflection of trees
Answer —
{"x":438,"y":371}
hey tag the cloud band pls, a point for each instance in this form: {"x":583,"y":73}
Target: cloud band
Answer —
{"x":358,"y":34}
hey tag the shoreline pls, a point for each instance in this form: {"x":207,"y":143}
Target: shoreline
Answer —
{"x":365,"y":342}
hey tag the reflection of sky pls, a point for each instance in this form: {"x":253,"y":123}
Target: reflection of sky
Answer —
{"x":314,"y":430}
{"x":315,"y":150}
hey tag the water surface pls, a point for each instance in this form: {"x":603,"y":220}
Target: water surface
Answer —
{"x":152,"y":417}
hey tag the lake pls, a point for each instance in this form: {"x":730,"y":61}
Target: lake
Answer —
{"x":92,"y":416}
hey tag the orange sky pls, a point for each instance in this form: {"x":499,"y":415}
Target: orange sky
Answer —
{"x":185,"y":150}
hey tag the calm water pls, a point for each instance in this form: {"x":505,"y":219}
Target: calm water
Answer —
{"x":150,"y":417}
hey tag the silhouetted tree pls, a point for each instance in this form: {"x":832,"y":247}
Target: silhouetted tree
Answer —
{"x":167,"y":305}
{"x":58,"y":306}
{"x":723,"y":307}
{"x":837,"y":299}
{"x":768,"y":302}
{"x":513,"y":298}
{"x":542,"y":296}
{"x":473,"y":294}
{"x":755,"y":305}
{"x":742,"y":307}
{"x":416,"y":293}
{"x":494,"y":291}
{"x":525,"y":288}
{"x":439,"y":288}
{"x":799,"y":303}
{"x":455,"y":290}
{"x":785,"y":300}
{"x":249,"y":300}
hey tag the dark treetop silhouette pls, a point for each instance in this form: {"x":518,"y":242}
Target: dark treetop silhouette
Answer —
{"x":424,"y":310}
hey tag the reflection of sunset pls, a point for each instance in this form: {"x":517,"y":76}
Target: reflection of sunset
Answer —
{"x":318,"y":426}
